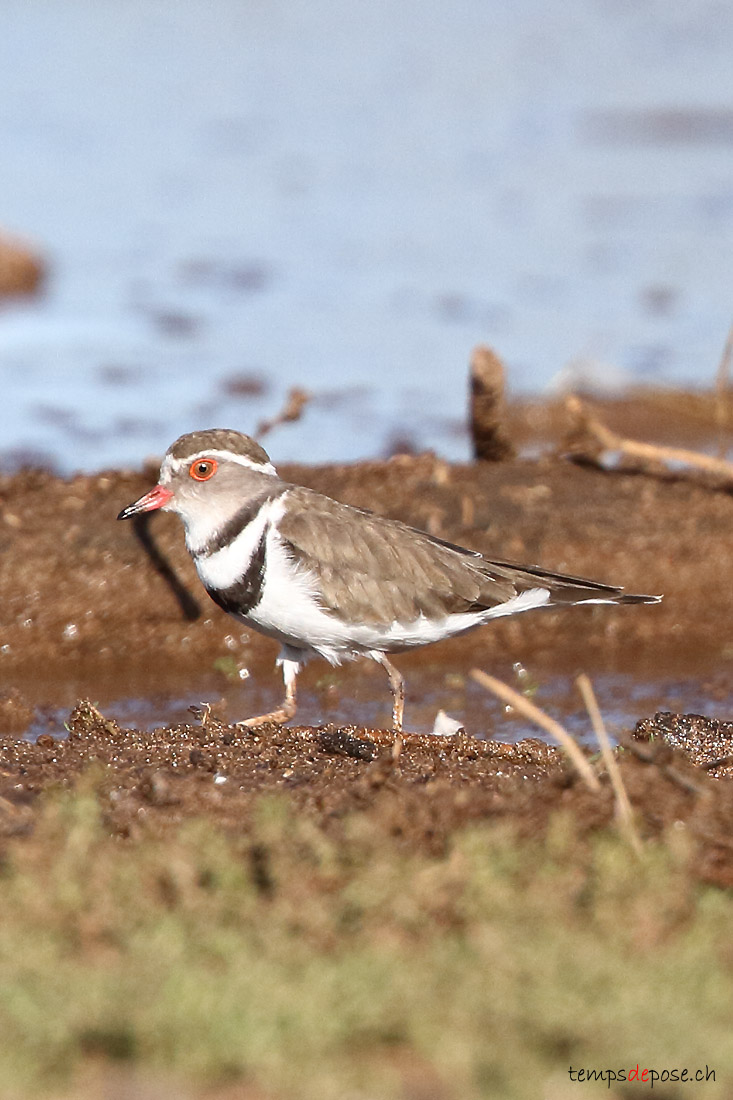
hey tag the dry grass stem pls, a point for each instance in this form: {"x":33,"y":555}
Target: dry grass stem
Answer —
{"x":549,"y":725}
{"x":647,"y":455}
{"x":623,"y":806}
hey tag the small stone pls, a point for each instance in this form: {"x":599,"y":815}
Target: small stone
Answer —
{"x":21,"y":270}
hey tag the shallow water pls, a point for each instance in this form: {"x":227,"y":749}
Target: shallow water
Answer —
{"x":348,"y":198}
{"x":359,"y":696}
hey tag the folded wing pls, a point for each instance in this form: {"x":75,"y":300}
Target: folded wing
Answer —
{"x":376,"y":570}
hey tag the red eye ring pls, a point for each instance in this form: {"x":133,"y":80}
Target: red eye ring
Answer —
{"x":203,"y":468}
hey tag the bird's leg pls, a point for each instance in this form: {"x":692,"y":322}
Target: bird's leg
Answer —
{"x":289,"y":705}
{"x":397,"y":685}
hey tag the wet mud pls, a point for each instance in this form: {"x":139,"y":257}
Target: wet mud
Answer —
{"x":95,"y":610}
{"x":417,"y":797}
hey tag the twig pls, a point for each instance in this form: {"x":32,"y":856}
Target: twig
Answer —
{"x":683,"y":781}
{"x":623,"y":806}
{"x":650,"y":455}
{"x":719,"y":762}
{"x":654,"y":753}
{"x":721,"y":387}
{"x":529,"y":710}
{"x":292,"y":410}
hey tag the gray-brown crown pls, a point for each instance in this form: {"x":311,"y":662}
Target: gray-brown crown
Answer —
{"x":218,"y":439}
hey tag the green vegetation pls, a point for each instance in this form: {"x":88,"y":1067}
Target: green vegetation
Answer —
{"x":323,"y":965}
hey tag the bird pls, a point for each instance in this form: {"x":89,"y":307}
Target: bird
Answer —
{"x":330,"y":580}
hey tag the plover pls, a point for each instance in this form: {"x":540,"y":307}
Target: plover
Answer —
{"x":327,"y":579}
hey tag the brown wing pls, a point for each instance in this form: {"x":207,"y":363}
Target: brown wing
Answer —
{"x":378,"y":570}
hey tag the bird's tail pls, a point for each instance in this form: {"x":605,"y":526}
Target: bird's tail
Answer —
{"x":564,"y":588}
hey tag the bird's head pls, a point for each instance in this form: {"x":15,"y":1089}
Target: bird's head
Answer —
{"x":205,"y":477}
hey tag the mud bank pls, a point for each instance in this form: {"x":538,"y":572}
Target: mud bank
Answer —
{"x":93,"y":607}
{"x":154,"y":782}
{"x":78,"y":591}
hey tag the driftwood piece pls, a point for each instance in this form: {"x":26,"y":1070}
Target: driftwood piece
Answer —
{"x":591,"y":439}
{"x":292,"y":410}
{"x":721,"y":391}
{"x":488,"y":407}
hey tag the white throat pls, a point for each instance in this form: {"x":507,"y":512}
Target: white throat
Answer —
{"x":202,"y":524}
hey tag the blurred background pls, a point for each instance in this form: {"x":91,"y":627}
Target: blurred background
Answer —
{"x":234,"y":198}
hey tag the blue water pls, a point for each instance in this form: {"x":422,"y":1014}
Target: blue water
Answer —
{"x":241,"y":197}
{"x":355,"y":697}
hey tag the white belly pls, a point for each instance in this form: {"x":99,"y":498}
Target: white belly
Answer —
{"x":289,"y":611}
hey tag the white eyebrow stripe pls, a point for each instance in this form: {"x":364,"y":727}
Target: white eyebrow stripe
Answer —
{"x":176,"y":464}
